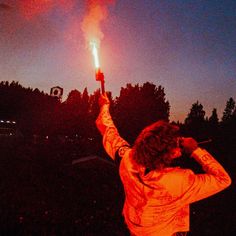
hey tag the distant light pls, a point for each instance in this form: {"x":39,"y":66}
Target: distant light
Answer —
{"x":8,"y":121}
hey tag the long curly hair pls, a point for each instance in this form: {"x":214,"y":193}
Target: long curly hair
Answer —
{"x":154,"y":144}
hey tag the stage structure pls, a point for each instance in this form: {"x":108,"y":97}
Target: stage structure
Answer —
{"x":56,"y":92}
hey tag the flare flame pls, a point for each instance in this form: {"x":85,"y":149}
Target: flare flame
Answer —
{"x":95,"y":54}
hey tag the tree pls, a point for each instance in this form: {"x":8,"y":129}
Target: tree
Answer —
{"x":196,"y":114}
{"x":214,"y":120}
{"x":139,"y":106}
{"x":85,"y":101}
{"x":74,"y":98}
{"x":234,"y":113}
{"x":228,"y":127}
{"x":195,"y":123}
{"x":31,"y":109}
{"x":11,"y":95}
{"x":229,"y":110}
{"x":213,"y":124}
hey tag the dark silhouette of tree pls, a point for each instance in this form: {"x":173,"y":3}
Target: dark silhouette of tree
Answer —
{"x":94,"y":142}
{"x":213,"y":125}
{"x":234,"y":113}
{"x":85,"y":101}
{"x":71,"y":118}
{"x":94,"y":106}
{"x":229,"y":110}
{"x":11,"y":95}
{"x":213,"y":119}
{"x":31,"y":109}
{"x":139,"y":106}
{"x":228,"y":128}
{"x":196,"y":115}
{"x":74,"y":99}
{"x":195,"y":123}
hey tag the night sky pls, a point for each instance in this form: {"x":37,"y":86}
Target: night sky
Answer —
{"x":187,"y":46}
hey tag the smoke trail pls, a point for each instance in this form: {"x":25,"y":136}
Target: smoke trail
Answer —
{"x":96,"y":13}
{"x":4,"y":6}
{"x":32,"y":8}
{"x":28,"y":23}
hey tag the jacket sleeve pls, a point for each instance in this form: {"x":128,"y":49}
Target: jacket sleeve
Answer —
{"x":112,"y":141}
{"x":199,"y":186}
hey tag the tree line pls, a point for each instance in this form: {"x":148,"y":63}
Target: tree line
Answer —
{"x":37,"y":113}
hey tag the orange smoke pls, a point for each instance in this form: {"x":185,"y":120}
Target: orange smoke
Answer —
{"x":96,"y":13}
{"x":32,"y":8}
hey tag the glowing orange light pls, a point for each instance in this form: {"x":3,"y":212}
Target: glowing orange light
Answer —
{"x":95,"y":54}
{"x":98,"y":73}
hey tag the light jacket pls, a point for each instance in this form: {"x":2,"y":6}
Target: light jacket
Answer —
{"x":157,"y":204}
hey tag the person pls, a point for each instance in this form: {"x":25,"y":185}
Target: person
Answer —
{"x":157,"y":195}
